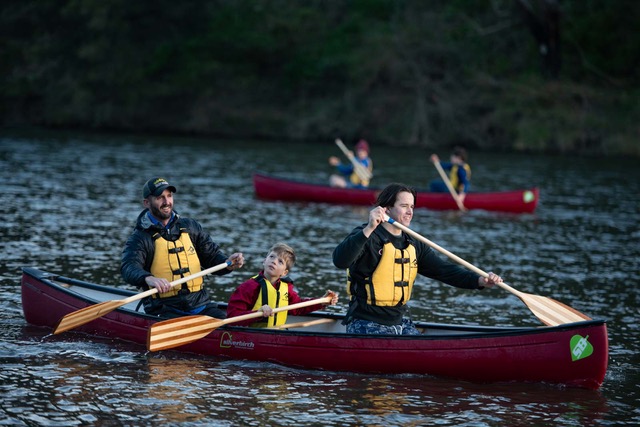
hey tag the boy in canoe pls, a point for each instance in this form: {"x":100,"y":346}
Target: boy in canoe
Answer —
{"x":348,"y":176}
{"x":270,"y":289}
{"x":382,"y":263}
{"x":459,"y":173}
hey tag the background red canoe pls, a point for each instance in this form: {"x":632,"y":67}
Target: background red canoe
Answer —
{"x":269,"y":187}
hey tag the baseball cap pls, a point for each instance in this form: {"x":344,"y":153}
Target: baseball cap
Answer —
{"x":155,"y":186}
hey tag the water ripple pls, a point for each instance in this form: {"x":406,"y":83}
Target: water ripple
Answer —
{"x":70,"y":202}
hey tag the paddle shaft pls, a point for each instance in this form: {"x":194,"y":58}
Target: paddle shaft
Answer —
{"x":449,"y":254}
{"x":178,"y":282}
{"x":447,"y":182}
{"x":363,"y":173}
{"x":87,"y":314}
{"x":547,"y":310}
{"x":259,"y":313}
{"x":304,"y":324}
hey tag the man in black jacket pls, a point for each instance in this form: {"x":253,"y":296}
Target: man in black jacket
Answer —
{"x":165,"y":247}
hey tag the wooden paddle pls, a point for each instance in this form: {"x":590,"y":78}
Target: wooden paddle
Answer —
{"x":304,"y":324}
{"x":549,"y":311}
{"x":87,"y":314}
{"x":447,"y":182}
{"x":360,"y":170}
{"x":184,"y":330}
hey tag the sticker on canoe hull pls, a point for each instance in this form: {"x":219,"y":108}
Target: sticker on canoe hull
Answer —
{"x":226,"y":341}
{"x":580,"y":347}
{"x":528,"y":196}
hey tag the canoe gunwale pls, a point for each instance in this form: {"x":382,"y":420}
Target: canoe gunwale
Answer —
{"x":471,"y":331}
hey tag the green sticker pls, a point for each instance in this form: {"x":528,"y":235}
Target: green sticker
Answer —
{"x":528,"y":196}
{"x":580,"y":347}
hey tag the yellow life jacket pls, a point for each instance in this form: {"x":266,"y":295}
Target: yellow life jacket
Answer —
{"x":274,"y":298}
{"x":453,"y":176}
{"x":392,"y":281}
{"x":355,"y":179}
{"x":174,"y":260}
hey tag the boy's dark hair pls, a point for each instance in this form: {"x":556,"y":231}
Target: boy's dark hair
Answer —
{"x":460,"y":152}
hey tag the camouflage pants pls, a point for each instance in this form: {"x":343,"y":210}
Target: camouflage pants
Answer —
{"x":359,"y":326}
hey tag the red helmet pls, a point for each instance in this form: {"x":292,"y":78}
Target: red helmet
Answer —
{"x":362,"y":145}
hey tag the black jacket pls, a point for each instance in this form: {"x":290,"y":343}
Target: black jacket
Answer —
{"x":361,"y":256}
{"x":139,"y":250}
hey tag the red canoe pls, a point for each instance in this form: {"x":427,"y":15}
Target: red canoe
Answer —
{"x":574,"y":354}
{"x":268,"y":187}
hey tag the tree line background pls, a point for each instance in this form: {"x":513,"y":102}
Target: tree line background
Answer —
{"x":528,"y":75}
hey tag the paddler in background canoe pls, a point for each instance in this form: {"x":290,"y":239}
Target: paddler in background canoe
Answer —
{"x":271,"y":289}
{"x":357,"y":173}
{"x":459,"y":173}
{"x":382,"y":263}
{"x":164,"y":247}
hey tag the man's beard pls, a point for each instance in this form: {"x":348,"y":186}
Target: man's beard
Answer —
{"x":160,"y":214}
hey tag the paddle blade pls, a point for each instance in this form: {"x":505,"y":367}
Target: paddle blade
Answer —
{"x":86,"y":315}
{"x":180,"y":331}
{"x":551,"y":312}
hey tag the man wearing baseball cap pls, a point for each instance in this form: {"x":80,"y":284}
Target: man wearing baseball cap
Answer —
{"x":155,"y":187}
{"x":165,"y":247}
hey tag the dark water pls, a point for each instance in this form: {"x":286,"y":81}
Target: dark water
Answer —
{"x":69,"y":202}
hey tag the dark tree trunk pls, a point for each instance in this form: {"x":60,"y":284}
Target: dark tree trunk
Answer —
{"x":544,"y":25}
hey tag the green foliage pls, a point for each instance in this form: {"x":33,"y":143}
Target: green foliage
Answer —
{"x":397,"y":71}
{"x":600,"y":39}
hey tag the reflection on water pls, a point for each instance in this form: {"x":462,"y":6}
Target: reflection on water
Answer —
{"x":69,"y":203}
{"x":115,"y":383}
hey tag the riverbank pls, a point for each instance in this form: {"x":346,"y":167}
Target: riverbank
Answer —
{"x":527,"y":117}
{"x":418,"y":74}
